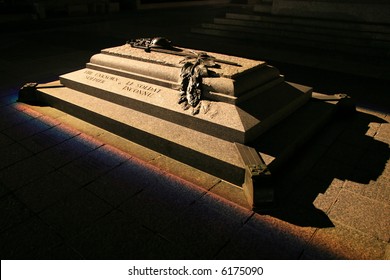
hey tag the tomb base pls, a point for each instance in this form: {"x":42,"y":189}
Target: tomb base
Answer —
{"x":245,"y":107}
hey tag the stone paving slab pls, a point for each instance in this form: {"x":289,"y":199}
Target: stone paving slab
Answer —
{"x":3,"y":190}
{"x":185,"y":172}
{"x":59,"y":252}
{"x":69,"y":150}
{"x":364,"y":214}
{"x":373,"y":167}
{"x":12,"y":117}
{"x":205,"y":228}
{"x":24,"y":172}
{"x":5,"y":140}
{"x":161,"y":200}
{"x":373,"y":190}
{"x":50,"y":189}
{"x":383,"y":191}
{"x":13,"y":212}
{"x":330,"y":168}
{"x":341,"y":242}
{"x":48,"y":138}
{"x":345,"y":153}
{"x":74,"y":213}
{"x":12,"y":153}
{"x":324,"y":201}
{"x":119,"y":184}
{"x":387,"y":253}
{"x":221,"y":247}
{"x":383,"y":133}
{"x":26,"y":129}
{"x":16,"y":244}
{"x":92,"y":165}
{"x":265,"y":237}
{"x":116,"y":236}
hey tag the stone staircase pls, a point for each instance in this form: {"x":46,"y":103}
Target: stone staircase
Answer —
{"x":255,"y":25}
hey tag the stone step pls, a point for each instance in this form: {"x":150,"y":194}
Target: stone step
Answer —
{"x":204,"y":152}
{"x":323,"y":42}
{"x":320,"y":23}
{"x":199,"y":150}
{"x":346,"y":37}
{"x":359,"y":65}
{"x":149,"y":83}
{"x":278,"y":145}
{"x":367,"y":37}
{"x":236,"y":123}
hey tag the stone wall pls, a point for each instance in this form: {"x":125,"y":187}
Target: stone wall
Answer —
{"x":376,"y":11}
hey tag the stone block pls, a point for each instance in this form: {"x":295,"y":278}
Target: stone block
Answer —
{"x":326,"y":200}
{"x":73,"y":214}
{"x":342,"y":242}
{"x":191,"y":230}
{"x":383,"y":133}
{"x":134,"y":94}
{"x":13,"y":153}
{"x":116,"y":236}
{"x":231,"y":192}
{"x":12,"y":117}
{"x":233,"y":80}
{"x":115,"y":187}
{"x":92,"y":165}
{"x":265,"y":237}
{"x":14,"y":212}
{"x":47,"y":191}
{"x":123,"y":75}
{"x":363,"y":214}
{"x":27,"y":129}
{"x":48,"y":138}
{"x":28,"y":240}
{"x":186,"y":172}
{"x":24,"y":172}
{"x":174,"y":140}
{"x":69,"y":150}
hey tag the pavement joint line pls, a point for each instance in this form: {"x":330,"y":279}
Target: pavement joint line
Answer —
{"x":365,"y":197}
{"x":103,"y":174}
{"x":339,"y":223}
{"x":351,"y":227}
{"x":26,"y":137}
{"x":48,"y":148}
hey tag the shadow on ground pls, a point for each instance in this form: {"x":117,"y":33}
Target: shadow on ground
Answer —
{"x":356,"y":156}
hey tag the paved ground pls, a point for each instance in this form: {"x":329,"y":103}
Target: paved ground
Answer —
{"x":69,"y":190}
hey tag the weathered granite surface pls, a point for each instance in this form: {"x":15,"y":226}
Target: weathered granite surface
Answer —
{"x":201,"y":150}
{"x":239,"y":102}
{"x":223,"y":120}
{"x":135,"y":95}
{"x":164,"y":69}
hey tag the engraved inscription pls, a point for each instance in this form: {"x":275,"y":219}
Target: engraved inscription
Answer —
{"x":129,"y":86}
{"x":141,"y":89}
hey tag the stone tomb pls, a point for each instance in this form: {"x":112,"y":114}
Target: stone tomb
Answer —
{"x":134,"y":94}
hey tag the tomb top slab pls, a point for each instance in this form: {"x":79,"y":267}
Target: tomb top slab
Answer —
{"x":243,"y":66}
